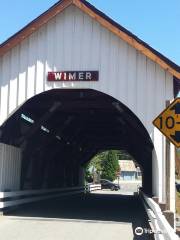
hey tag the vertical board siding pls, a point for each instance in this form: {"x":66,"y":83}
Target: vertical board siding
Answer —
{"x":132,"y":79}
{"x":31,"y":70}
{"x":104,"y":56}
{"x":49,"y":52}
{"x":113,"y":65}
{"x":141,"y":86}
{"x":68,"y":36}
{"x":159,"y":140}
{"x":59,"y":43}
{"x":151,"y":101}
{"x":95,"y":45}
{"x":77,"y":39}
{"x":10,"y":165}
{"x":40,"y":64}
{"x":23,"y":64}
{"x":13,"y":85}
{"x":168,"y":87}
{"x":74,"y":41}
{"x":122,"y":86}
{"x":5,"y":80}
{"x":86,"y":42}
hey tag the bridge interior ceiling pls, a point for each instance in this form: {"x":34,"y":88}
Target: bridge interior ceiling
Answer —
{"x":63,"y":129}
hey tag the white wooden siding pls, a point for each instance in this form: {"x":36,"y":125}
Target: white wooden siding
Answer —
{"x":10,"y":167}
{"x":74,"y":41}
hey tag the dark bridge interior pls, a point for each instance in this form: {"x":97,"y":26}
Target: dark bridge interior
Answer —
{"x":62,"y":129}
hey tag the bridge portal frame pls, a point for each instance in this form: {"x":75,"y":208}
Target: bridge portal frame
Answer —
{"x":73,"y":39}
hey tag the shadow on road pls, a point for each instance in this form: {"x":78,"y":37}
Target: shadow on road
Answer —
{"x":91,"y":207}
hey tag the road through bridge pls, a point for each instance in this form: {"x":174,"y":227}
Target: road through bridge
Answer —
{"x":74,"y":83}
{"x":97,"y":216}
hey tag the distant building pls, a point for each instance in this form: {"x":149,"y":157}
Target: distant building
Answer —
{"x":128,"y":170}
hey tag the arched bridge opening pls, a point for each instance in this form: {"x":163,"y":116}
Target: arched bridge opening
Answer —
{"x":60,"y":130}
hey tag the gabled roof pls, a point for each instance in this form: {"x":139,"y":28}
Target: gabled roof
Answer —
{"x":127,"y":165}
{"x":105,"y":21}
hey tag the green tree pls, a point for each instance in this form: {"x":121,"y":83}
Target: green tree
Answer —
{"x":105,"y":163}
{"x":110,"y":165}
{"x":95,"y":163}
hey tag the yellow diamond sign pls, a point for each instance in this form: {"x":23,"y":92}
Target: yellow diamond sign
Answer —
{"x":168,"y":122}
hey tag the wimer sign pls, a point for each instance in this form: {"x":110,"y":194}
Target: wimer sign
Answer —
{"x":73,"y":76}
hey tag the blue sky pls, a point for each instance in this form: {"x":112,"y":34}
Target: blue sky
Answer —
{"x":157,"y":22}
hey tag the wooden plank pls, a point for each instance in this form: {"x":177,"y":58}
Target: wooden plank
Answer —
{"x":40,"y":122}
{"x":35,"y":199}
{"x":158,"y":219}
{"x":23,"y":63}
{"x":132,"y":79}
{"x":141,"y":88}
{"x":33,"y":26}
{"x":104,"y":58}
{"x":59,"y":35}
{"x":49,"y":52}
{"x":168,"y":166}
{"x":95,"y":46}
{"x":151,"y":87}
{"x":35,"y":192}
{"x":31,"y":71}
{"x":41,"y":59}
{"x":44,"y":18}
{"x":13,"y":79}
{"x":130,"y":40}
{"x":4,"y":88}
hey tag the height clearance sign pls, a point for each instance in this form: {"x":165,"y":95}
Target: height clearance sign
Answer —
{"x":168,"y":122}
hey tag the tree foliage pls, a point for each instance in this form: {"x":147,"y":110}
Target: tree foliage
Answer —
{"x":104,"y":163}
{"x":110,"y":166}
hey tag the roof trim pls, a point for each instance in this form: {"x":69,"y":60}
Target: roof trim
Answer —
{"x":105,"y":21}
{"x":128,"y":37}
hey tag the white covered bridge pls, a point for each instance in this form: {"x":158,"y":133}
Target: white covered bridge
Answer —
{"x":51,"y":127}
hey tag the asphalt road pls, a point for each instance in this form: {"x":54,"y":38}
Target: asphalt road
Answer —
{"x":129,"y":187}
{"x":97,"y":216}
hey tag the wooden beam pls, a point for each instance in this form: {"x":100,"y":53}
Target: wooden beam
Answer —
{"x":40,"y":122}
{"x":33,"y":26}
{"x":124,"y":36}
{"x":56,"y":9}
{"x":168,"y":167}
{"x":51,"y":137}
